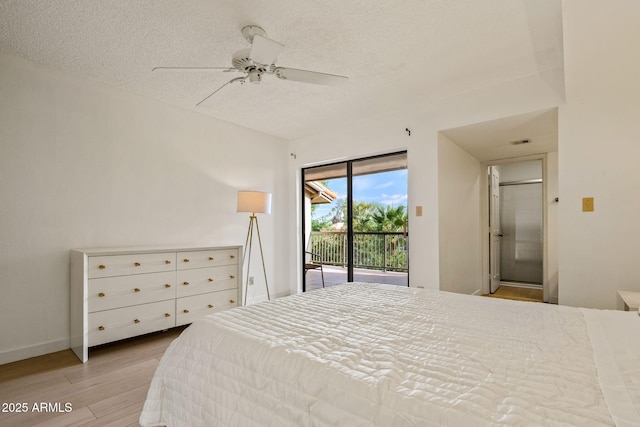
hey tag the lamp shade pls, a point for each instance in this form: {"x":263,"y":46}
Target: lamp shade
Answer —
{"x":254,"y":202}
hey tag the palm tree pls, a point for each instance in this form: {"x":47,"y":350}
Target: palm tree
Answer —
{"x":361,"y":214}
{"x":389,"y":218}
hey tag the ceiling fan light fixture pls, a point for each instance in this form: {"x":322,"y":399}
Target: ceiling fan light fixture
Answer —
{"x":264,"y":51}
{"x":241,"y":60}
{"x":252,"y":30}
{"x":255,"y":77}
{"x":260,"y":59}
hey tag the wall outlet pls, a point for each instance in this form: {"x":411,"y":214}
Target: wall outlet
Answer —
{"x":250,"y":280}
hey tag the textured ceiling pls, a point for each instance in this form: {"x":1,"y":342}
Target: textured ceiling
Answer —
{"x":396,"y":53}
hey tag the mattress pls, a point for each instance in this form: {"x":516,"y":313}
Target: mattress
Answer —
{"x":365,"y":354}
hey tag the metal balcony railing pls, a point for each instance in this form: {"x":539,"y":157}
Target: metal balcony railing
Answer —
{"x":385,"y":251}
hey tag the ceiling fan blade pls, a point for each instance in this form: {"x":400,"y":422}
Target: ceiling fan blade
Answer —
{"x":193,"y":69}
{"x":310,"y":77}
{"x":265,"y":51}
{"x":237,"y":79}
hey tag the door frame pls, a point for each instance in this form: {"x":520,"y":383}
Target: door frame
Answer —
{"x":484,"y":220}
{"x":302,"y":211}
{"x":495,"y":232}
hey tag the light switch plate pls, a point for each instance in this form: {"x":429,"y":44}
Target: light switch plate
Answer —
{"x":418,"y":210}
{"x":587,"y":204}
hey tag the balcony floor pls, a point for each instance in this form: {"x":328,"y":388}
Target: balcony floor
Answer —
{"x":335,"y":275}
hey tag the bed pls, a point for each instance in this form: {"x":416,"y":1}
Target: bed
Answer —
{"x":365,"y":354}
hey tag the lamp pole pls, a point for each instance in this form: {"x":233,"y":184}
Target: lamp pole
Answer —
{"x":248,"y":245}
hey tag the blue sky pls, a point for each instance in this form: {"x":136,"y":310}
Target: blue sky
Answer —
{"x":387,"y":188}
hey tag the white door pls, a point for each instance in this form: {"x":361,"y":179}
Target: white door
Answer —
{"x":494,"y":227}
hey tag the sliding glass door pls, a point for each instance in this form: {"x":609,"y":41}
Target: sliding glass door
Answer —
{"x":355,"y":222}
{"x":325,"y":226}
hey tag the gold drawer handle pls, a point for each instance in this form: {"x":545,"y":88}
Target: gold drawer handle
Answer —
{"x":167,"y":262}
{"x":137,"y":264}
{"x":101,"y":328}
{"x":232,"y":256}
{"x":232,"y":301}
{"x":210,"y":258}
{"x":101,"y":294}
{"x":136,"y":320}
{"x":185,"y":310}
{"x":185,"y":283}
{"x":102,"y":266}
{"x":232,"y":277}
{"x":186,"y":260}
{"x":210,"y":279}
{"x":210,"y":306}
{"x":136,"y":290}
{"x":167,"y":285}
{"x":167,"y":315}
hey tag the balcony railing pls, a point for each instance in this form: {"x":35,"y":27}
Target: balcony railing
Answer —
{"x":386,"y":251}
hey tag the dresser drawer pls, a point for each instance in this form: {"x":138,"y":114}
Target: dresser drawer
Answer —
{"x":190,"y":309}
{"x":112,"y":325}
{"x":210,"y":258}
{"x":106,"y":293}
{"x":205,"y":280}
{"x":121,"y":265}
{"x":118,"y":293}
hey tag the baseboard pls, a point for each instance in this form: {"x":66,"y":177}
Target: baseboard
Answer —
{"x":13,"y":355}
{"x":477,"y":292}
{"x":553,"y":300}
{"x":263,"y":298}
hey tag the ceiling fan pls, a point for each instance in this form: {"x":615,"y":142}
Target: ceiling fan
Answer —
{"x":258,"y":60}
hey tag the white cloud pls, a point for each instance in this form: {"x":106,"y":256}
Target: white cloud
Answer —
{"x":384,"y":185}
{"x":363,"y":183}
{"x":394,"y":199}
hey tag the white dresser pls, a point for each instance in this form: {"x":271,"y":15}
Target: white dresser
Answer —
{"x":120,"y":293}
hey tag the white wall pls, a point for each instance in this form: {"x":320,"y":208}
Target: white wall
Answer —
{"x":386,"y":133}
{"x":459,"y":176}
{"x":599,"y":135}
{"x":85,"y":165}
{"x":355,"y":143}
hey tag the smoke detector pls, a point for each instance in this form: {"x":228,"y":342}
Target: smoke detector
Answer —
{"x":521,"y":141}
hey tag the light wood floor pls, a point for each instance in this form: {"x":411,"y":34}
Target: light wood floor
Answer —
{"x":108,"y":390}
{"x":516,"y":293}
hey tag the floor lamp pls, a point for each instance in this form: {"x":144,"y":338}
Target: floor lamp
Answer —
{"x":254,"y":202}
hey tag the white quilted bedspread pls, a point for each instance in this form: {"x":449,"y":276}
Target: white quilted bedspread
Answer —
{"x":377,"y":355}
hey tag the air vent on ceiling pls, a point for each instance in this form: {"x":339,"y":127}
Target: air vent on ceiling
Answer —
{"x":521,"y":141}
